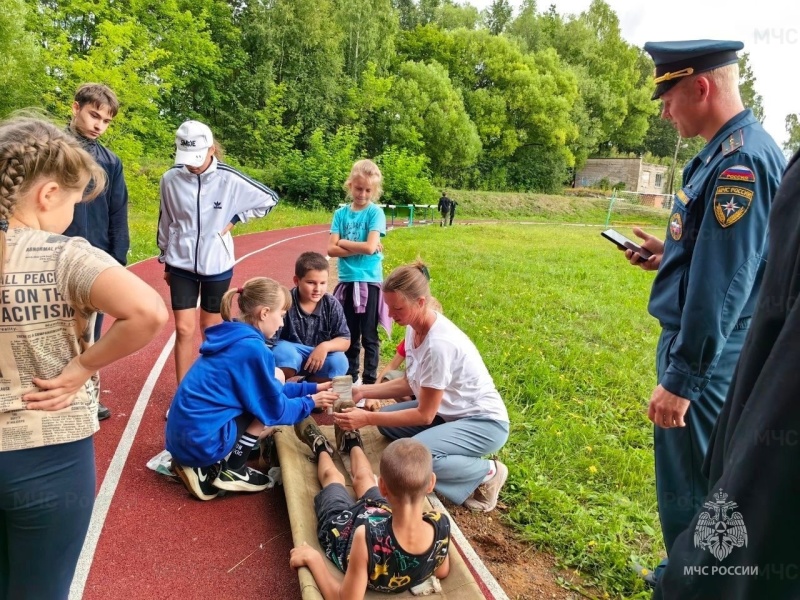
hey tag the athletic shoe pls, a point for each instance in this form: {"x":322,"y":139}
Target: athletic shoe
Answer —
{"x":484,"y":498}
{"x":243,"y":479}
{"x":267,"y":453}
{"x":339,"y":406}
{"x":103,"y":412}
{"x":348,"y":440}
{"x":310,"y":434}
{"x":198,"y":480}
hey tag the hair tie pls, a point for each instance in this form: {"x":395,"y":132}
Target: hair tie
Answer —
{"x":425,"y":272}
{"x":240,"y":290}
{"x":3,"y":225}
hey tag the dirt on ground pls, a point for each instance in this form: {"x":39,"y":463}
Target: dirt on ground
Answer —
{"x":522,"y":572}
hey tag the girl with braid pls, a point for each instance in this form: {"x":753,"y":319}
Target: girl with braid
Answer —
{"x":51,"y":286}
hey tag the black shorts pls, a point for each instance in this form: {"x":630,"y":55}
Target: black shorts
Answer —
{"x":334,"y":504}
{"x":184,"y":293}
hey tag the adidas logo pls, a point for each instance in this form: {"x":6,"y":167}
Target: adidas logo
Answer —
{"x":218,"y":205}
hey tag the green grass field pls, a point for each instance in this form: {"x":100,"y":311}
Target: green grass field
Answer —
{"x":561,"y":321}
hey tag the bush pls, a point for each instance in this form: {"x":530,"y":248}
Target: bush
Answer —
{"x":314,"y":178}
{"x":405,"y":178}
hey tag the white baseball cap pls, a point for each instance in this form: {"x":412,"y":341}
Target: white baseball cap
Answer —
{"x":193,"y":139}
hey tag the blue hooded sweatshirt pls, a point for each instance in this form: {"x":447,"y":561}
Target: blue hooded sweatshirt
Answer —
{"x":234,"y":375}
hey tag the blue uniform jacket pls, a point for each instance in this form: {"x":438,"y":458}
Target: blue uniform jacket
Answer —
{"x":103,"y":222}
{"x":715,"y":249}
{"x":235,"y":374}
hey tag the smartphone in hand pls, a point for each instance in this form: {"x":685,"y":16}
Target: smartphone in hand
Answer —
{"x":624,"y":243}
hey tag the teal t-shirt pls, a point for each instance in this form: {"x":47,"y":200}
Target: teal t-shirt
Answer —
{"x":355,"y":226}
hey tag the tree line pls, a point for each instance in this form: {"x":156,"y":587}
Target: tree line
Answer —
{"x":439,"y":93}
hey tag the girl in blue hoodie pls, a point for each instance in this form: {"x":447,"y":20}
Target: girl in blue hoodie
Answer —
{"x":230,"y":394}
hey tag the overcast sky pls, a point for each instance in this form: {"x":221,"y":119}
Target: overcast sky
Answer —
{"x":770,"y":30}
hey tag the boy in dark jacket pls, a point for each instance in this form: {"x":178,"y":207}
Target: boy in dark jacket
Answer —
{"x":104,"y":221}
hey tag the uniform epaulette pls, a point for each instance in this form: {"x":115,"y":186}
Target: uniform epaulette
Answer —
{"x":733,"y":143}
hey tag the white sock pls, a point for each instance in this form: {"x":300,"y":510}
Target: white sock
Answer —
{"x":491,"y":473}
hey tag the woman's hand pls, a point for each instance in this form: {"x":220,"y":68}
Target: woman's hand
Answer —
{"x":351,"y":418}
{"x":321,"y":387}
{"x":58,"y":392}
{"x":372,"y":404}
{"x":324,"y":399}
{"x":357,"y":394}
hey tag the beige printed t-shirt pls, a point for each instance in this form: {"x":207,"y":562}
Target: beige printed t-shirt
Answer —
{"x":46,"y":319}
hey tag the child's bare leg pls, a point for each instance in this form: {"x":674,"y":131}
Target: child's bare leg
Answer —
{"x":255,"y":428}
{"x":327,"y":471}
{"x":361,"y":471}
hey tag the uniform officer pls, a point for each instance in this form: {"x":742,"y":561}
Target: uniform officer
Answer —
{"x":754,"y":457}
{"x":709,"y":266}
{"x":444,"y":207}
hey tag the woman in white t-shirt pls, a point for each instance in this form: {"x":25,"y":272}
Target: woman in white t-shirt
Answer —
{"x":458,"y":413}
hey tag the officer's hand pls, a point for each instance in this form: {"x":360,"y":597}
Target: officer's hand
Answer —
{"x":651,"y":243}
{"x":666,"y":409}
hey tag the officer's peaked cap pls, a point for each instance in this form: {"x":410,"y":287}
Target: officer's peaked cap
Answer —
{"x":675,"y":60}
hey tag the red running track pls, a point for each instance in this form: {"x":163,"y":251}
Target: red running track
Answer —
{"x":149,"y":538}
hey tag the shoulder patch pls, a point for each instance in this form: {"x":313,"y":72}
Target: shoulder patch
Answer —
{"x":731,"y":202}
{"x":733,"y":143}
{"x":738,"y":173}
{"x":676,"y":226}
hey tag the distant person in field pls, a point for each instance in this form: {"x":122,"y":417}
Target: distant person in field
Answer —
{"x":355,"y":241}
{"x":201,"y":201}
{"x":458,"y":412}
{"x":384,"y":541}
{"x":445,"y":204}
{"x":104,"y":221}
{"x":314,"y":336}
{"x":709,"y":267}
{"x":453,"y":205}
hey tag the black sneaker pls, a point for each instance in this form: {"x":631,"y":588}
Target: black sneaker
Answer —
{"x":198,"y":480}
{"x":267,"y":453}
{"x":103,"y":412}
{"x":310,"y":434}
{"x":243,"y":479}
{"x":349,"y":440}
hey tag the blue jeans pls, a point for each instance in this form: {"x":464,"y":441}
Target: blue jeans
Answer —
{"x":46,"y":501}
{"x":457,"y":448}
{"x":289,"y":355}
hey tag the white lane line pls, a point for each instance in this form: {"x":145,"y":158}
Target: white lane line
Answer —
{"x":469,"y":553}
{"x":103,"y":501}
{"x":111,"y":480}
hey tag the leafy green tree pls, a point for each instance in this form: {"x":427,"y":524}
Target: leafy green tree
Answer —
{"x":406,"y":177}
{"x":498,"y":16}
{"x":456,"y":16}
{"x":407,"y":13}
{"x":747,"y":87}
{"x":21,"y":67}
{"x":424,"y":114}
{"x":513,"y":99}
{"x":792,"y":145}
{"x":369,"y":27}
{"x":298,"y":44}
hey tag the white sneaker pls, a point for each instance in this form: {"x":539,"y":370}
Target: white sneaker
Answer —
{"x":484,"y":498}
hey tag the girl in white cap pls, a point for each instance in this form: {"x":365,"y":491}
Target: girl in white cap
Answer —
{"x":201,"y":200}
